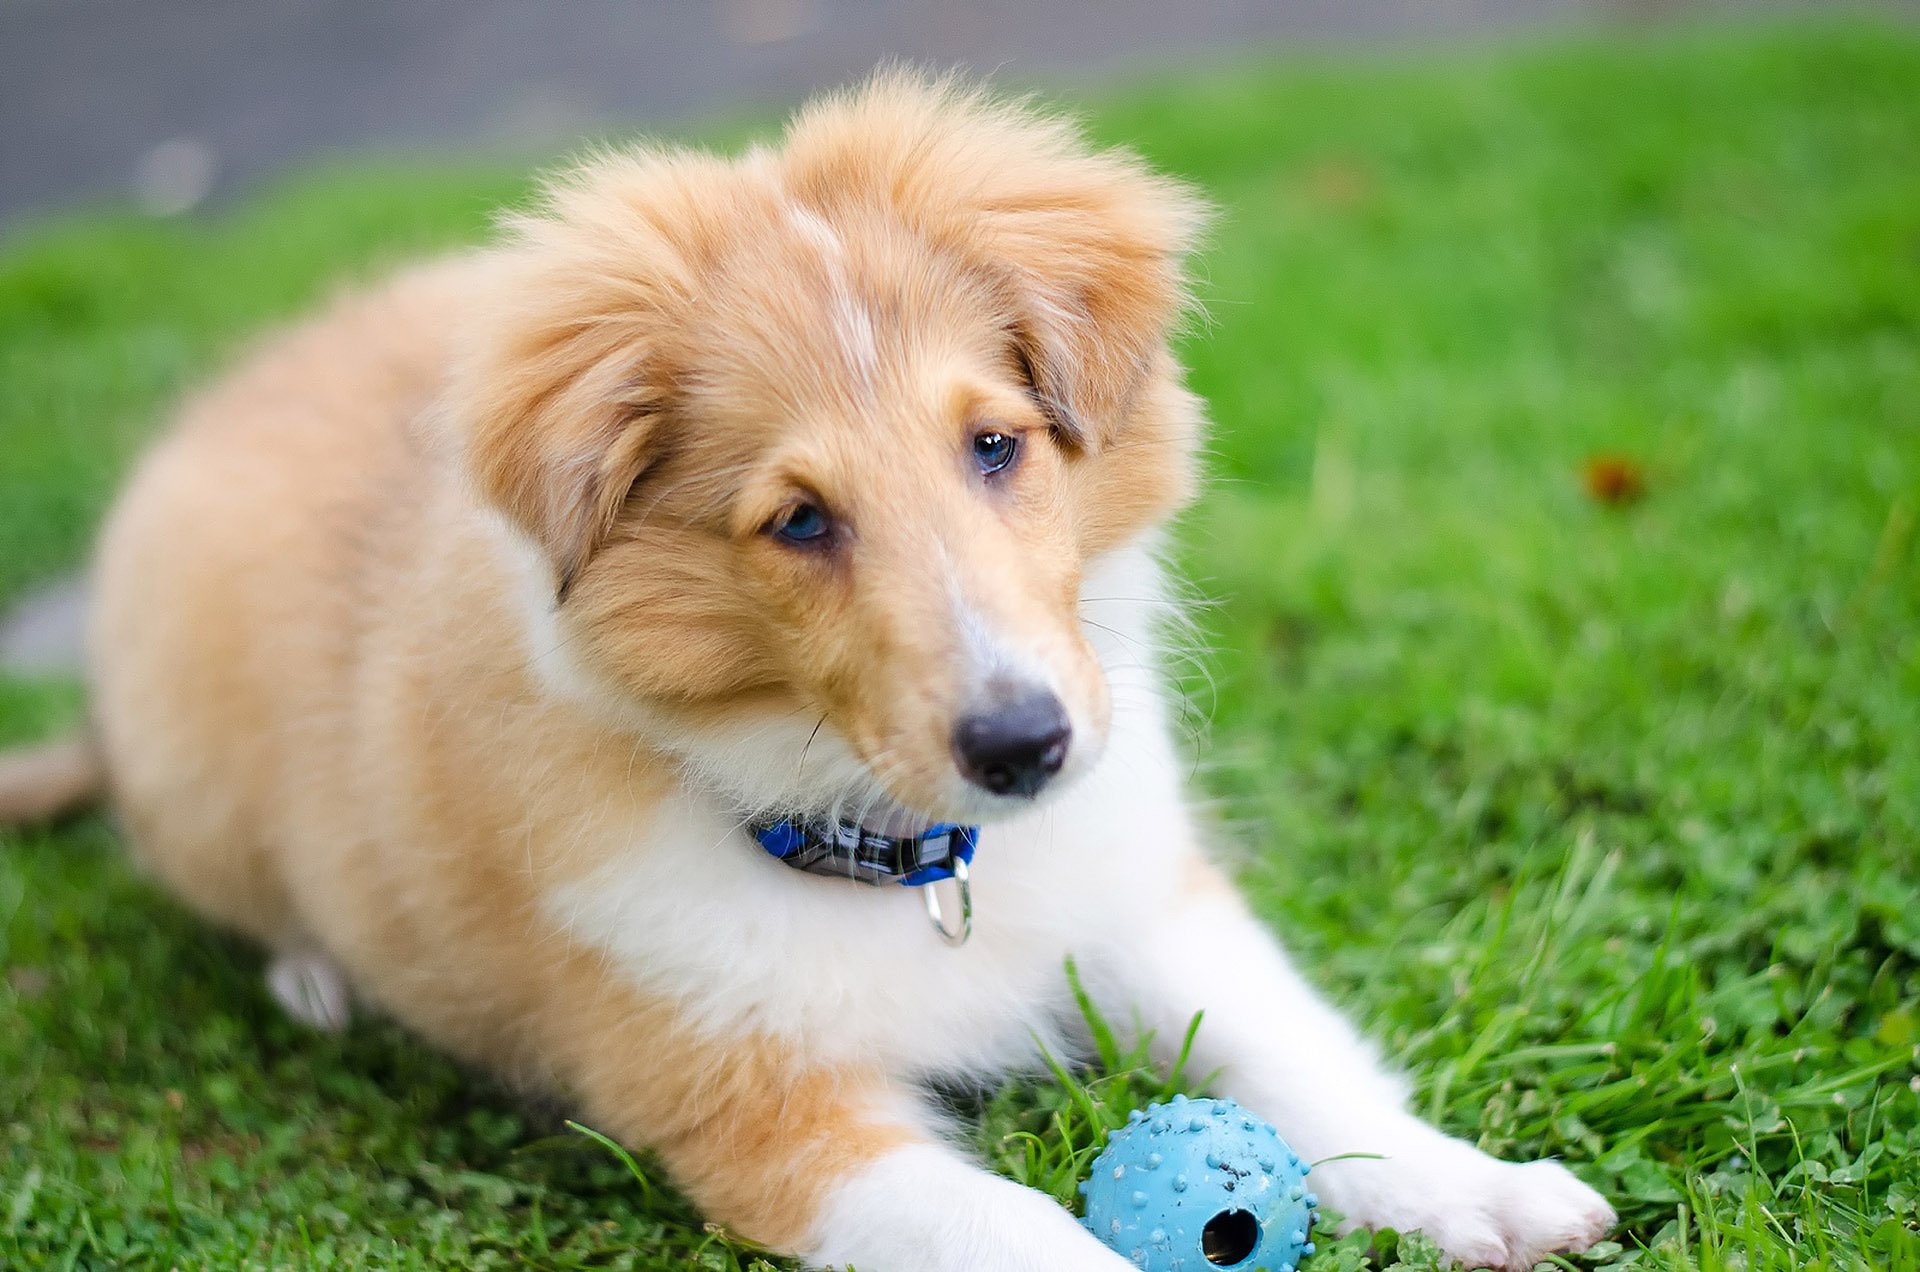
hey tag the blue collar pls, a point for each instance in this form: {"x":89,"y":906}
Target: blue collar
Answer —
{"x":845,"y":850}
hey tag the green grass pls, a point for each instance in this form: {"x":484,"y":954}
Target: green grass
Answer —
{"x":1606,"y":818}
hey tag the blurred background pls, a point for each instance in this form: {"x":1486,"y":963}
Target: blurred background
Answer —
{"x":166,"y":106}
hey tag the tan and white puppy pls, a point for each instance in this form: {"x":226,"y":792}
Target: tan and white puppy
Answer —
{"x":448,"y":646}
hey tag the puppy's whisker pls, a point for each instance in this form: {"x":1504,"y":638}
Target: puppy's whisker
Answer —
{"x":801,"y":765}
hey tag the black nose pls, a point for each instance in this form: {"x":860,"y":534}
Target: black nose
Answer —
{"x":1014,"y":749}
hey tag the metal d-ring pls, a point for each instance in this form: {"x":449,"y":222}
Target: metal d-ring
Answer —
{"x":955,"y":937}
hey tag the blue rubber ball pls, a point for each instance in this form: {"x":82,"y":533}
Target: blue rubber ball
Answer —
{"x":1194,"y":1185}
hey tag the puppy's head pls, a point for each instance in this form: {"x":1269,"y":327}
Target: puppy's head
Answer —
{"x":815,"y":444}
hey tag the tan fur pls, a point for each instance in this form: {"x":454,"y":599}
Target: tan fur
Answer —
{"x":323,"y":719}
{"x":1201,"y":880}
{"x":40,"y":783}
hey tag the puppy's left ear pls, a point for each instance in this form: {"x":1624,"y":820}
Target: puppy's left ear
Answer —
{"x":1092,"y":249}
{"x":1087,"y":247}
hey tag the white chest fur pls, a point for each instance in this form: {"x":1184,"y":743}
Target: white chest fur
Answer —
{"x":690,"y":908}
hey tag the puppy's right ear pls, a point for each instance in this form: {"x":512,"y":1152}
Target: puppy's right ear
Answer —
{"x":558,"y":422}
{"x":560,"y":381}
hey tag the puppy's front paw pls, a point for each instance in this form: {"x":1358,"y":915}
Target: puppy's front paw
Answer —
{"x":312,"y":989}
{"x":1483,"y":1212}
{"x":921,"y":1209}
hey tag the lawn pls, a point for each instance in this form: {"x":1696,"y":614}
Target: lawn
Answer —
{"x":1604,"y":814}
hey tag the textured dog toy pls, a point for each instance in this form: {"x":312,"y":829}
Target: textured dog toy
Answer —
{"x":1199,"y":1184}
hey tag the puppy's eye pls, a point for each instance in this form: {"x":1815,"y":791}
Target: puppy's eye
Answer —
{"x":994,"y":450}
{"x":803,"y":523}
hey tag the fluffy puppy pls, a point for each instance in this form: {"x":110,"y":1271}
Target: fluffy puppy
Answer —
{"x":454,"y":644}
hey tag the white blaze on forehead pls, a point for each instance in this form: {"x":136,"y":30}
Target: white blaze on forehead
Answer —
{"x":852,"y":323}
{"x":991,"y":655}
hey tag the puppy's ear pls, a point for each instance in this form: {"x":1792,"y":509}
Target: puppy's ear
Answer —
{"x":1087,"y":246}
{"x":1091,"y":249}
{"x":560,"y":423}
{"x":562,"y":378}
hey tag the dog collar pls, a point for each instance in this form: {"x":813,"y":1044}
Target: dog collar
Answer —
{"x":937,"y":856}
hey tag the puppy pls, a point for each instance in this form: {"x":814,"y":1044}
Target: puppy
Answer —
{"x":494,"y":646}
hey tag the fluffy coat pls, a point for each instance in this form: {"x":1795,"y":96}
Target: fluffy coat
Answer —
{"x":447,"y":645}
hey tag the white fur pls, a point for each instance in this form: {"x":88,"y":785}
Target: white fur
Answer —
{"x":852,"y":322}
{"x":312,"y":989}
{"x":924,"y":1209}
{"x":692,"y":909}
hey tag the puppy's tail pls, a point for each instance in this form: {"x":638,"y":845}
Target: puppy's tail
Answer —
{"x":42,"y":637}
{"x":39,"y":783}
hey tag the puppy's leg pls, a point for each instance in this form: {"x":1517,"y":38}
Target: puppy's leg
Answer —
{"x":312,"y":989}
{"x":832,"y":1163}
{"x":921,"y":1208}
{"x":1283,"y":1052}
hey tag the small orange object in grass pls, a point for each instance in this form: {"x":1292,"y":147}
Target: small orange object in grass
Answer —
{"x":1614,"y":479}
{"x":1340,"y":182}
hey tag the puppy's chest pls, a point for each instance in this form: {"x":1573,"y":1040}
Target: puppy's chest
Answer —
{"x":843,"y":971}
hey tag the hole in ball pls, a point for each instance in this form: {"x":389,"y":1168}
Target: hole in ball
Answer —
{"x":1229,"y":1238}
